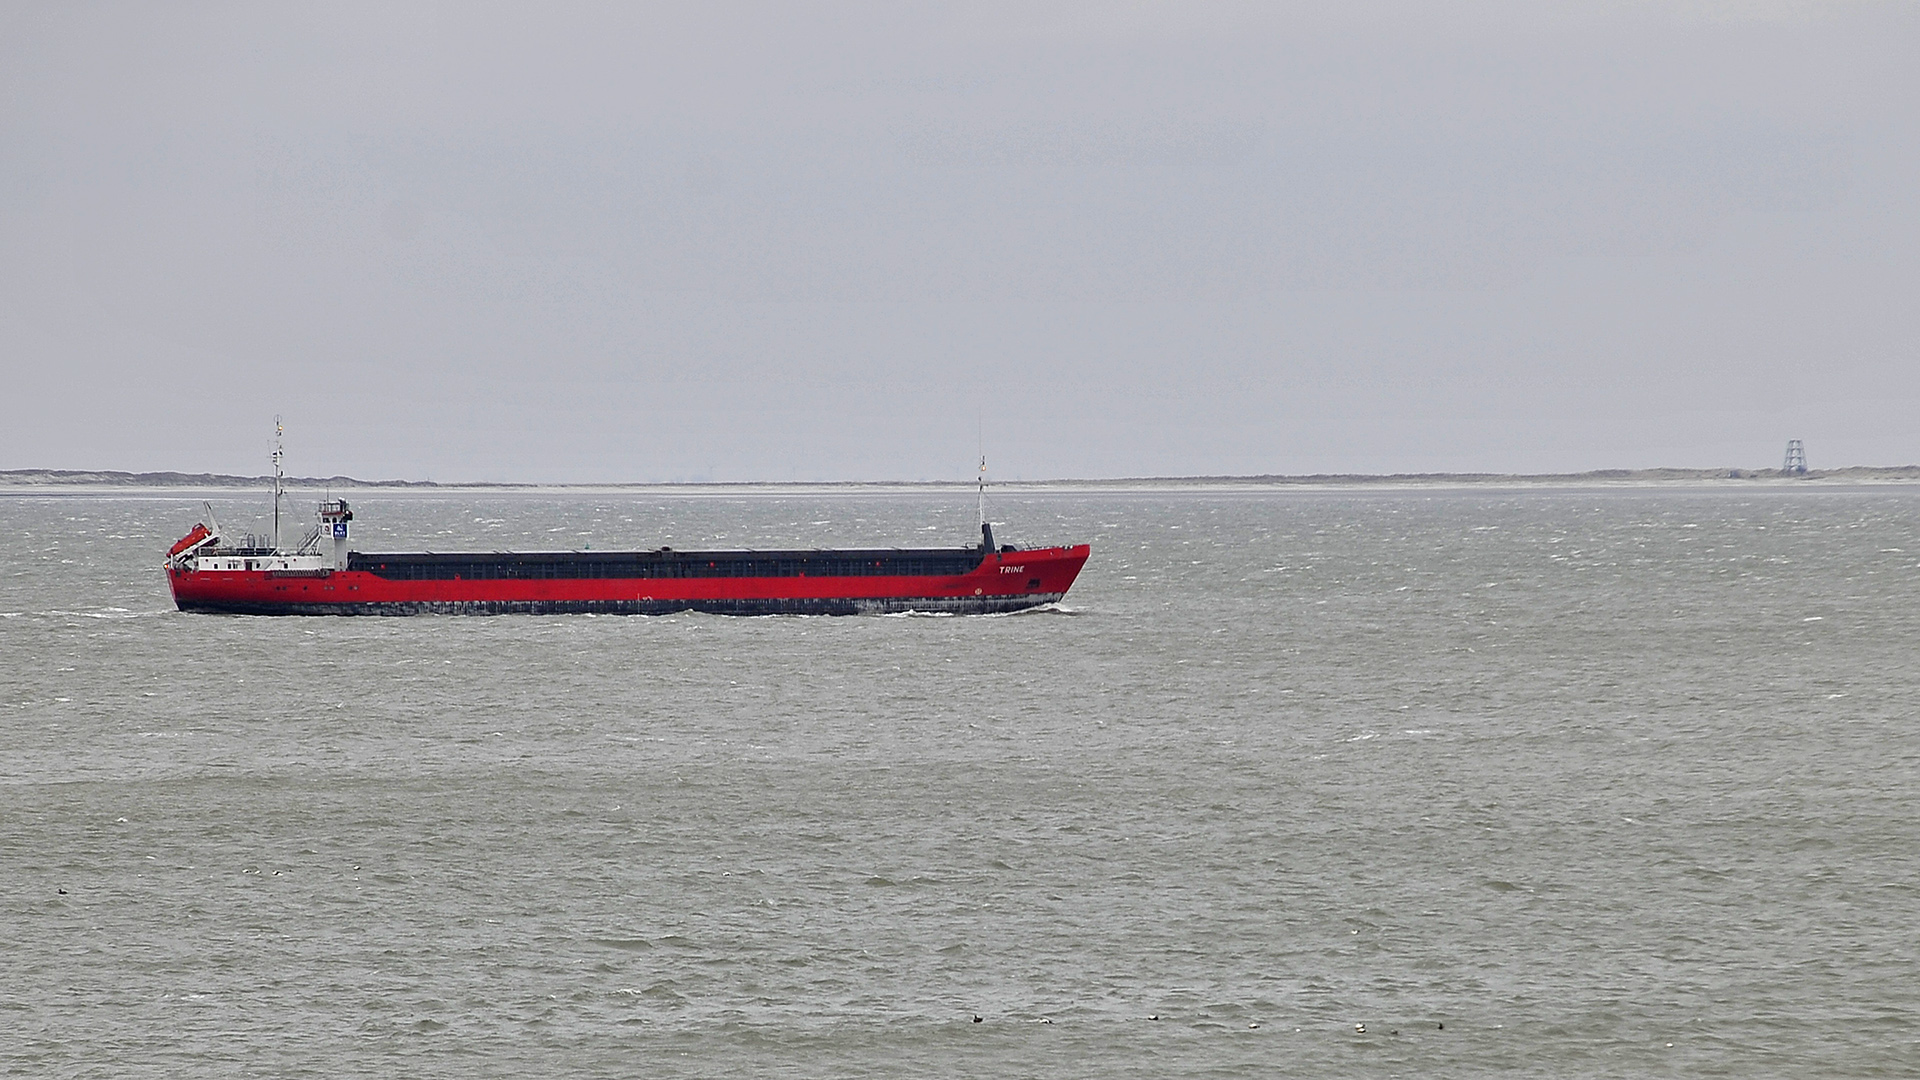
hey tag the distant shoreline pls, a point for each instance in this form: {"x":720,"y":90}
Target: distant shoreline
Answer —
{"x":23,"y":481}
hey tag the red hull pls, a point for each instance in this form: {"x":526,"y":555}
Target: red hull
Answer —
{"x":1003,"y":581}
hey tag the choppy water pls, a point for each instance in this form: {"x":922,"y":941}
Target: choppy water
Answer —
{"x":1605,"y":782}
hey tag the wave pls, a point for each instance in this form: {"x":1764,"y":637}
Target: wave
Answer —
{"x":103,"y":613}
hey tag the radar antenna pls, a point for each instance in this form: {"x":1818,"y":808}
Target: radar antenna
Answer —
{"x":278,"y":453}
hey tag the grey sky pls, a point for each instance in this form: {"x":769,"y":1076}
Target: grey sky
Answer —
{"x":783,"y":241}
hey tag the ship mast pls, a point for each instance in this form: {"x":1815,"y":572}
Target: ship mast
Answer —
{"x":983,"y":489}
{"x":986,"y":530}
{"x":278,"y":453}
{"x":980,"y":435}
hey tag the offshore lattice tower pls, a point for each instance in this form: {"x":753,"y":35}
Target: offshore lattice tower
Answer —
{"x":1796,"y":459}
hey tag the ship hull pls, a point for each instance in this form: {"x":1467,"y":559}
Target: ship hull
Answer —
{"x":637,"y":583}
{"x":928,"y":605}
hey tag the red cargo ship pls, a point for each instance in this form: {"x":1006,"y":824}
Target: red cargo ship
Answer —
{"x":206,"y":575}
{"x":322,"y":577}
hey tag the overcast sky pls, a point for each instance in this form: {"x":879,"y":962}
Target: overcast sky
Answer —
{"x":789,"y":241}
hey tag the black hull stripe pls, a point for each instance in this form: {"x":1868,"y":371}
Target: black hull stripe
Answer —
{"x":953,"y":605}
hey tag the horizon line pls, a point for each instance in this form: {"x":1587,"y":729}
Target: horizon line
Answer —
{"x":32,"y":478}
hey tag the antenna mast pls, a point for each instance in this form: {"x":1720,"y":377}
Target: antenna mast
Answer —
{"x":983,"y":489}
{"x":278,"y":453}
{"x":981,"y":434}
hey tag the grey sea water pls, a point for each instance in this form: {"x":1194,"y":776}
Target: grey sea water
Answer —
{"x":1576,"y":782}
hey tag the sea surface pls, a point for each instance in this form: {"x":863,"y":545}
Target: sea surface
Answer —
{"x":1576,"y":782}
